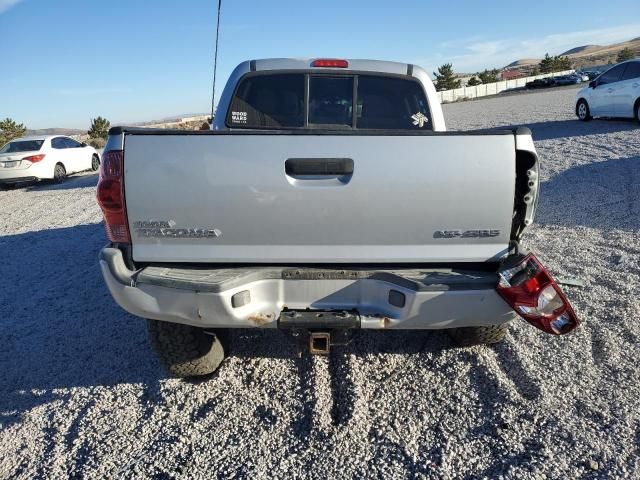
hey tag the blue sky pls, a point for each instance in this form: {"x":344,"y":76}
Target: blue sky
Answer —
{"x":66,"y":61}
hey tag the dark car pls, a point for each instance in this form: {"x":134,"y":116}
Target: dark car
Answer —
{"x":592,"y":74}
{"x":568,"y":79}
{"x":541,"y":83}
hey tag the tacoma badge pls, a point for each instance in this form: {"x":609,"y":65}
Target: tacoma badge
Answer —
{"x":165,"y":229}
{"x":484,"y":233}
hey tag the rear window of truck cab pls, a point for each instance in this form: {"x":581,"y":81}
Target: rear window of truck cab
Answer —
{"x":330,"y":101}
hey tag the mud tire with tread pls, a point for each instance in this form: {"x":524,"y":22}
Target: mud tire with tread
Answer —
{"x":186,"y":351}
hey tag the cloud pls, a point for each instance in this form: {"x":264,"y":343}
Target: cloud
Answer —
{"x":479,"y":54}
{"x":7,"y":4}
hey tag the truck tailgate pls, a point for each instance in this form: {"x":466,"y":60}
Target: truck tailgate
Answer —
{"x":319,"y":198}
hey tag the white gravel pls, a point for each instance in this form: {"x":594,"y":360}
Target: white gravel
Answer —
{"x":81,"y":394}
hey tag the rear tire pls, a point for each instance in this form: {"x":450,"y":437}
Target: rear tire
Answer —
{"x":95,"y":163}
{"x":469,"y":336}
{"x":59,"y":173}
{"x":638,"y":111}
{"x":186,"y":351}
{"x":582,"y":111}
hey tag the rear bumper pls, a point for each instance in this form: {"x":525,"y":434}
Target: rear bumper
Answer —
{"x":34,"y":172}
{"x":384,"y":299}
{"x":9,"y":180}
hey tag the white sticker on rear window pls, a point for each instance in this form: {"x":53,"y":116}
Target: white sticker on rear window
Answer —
{"x":239,"y":117}
{"x":419,"y":119}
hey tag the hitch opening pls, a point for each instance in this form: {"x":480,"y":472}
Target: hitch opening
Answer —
{"x":319,"y":343}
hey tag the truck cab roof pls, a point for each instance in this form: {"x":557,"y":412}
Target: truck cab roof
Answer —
{"x":353,"y":65}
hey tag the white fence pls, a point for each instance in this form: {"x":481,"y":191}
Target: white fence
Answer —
{"x":468,"y":93}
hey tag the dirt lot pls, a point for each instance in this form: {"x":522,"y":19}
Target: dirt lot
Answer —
{"x":81,"y":393}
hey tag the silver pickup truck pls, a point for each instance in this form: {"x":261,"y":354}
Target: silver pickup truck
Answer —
{"x":327,"y":198}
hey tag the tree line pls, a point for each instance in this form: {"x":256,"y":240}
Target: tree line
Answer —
{"x":446,"y":78}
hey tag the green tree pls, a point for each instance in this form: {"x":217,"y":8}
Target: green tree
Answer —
{"x":546,"y":64}
{"x":562,"y":63}
{"x":489,"y":76}
{"x":554,"y":64}
{"x":9,"y":130}
{"x":445,"y":78}
{"x":473,"y":81}
{"x":625,"y":54}
{"x":99,"y":128}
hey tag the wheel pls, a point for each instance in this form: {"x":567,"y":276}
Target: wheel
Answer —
{"x":638,"y":111}
{"x":582,"y":110}
{"x":95,"y":162}
{"x":468,"y":336}
{"x":186,"y":351}
{"x":59,"y":173}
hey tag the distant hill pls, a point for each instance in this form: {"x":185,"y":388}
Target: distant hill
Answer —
{"x":582,"y":49}
{"x":586,"y":55}
{"x":189,"y":117}
{"x":55,"y":131}
{"x":173,"y":118}
{"x":523,"y":62}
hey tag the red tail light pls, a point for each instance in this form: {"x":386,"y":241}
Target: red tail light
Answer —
{"x":110,"y":196}
{"x":330,"y":63}
{"x":534,"y":295}
{"x":34,"y":158}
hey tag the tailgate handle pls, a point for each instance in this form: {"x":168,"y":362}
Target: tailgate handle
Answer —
{"x":322,"y":167}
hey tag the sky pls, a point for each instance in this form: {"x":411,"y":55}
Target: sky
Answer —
{"x":64,"y":62}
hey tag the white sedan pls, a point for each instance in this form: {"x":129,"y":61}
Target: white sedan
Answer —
{"x":615,"y":93}
{"x":45,"y":157}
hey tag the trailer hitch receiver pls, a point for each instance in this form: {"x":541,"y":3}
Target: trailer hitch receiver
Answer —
{"x":319,"y":343}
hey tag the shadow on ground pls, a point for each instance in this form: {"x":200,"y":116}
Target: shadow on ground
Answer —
{"x":69,"y":183}
{"x":604,"y":195}
{"x":82,"y":180}
{"x":552,"y":130}
{"x":59,"y":327}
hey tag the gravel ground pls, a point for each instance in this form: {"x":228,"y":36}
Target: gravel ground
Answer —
{"x":81,"y":394}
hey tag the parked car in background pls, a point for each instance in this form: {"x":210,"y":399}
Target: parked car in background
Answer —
{"x":541,"y":83}
{"x":591,"y":74}
{"x":615,"y":93}
{"x":568,"y":79}
{"x":45,"y":157}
